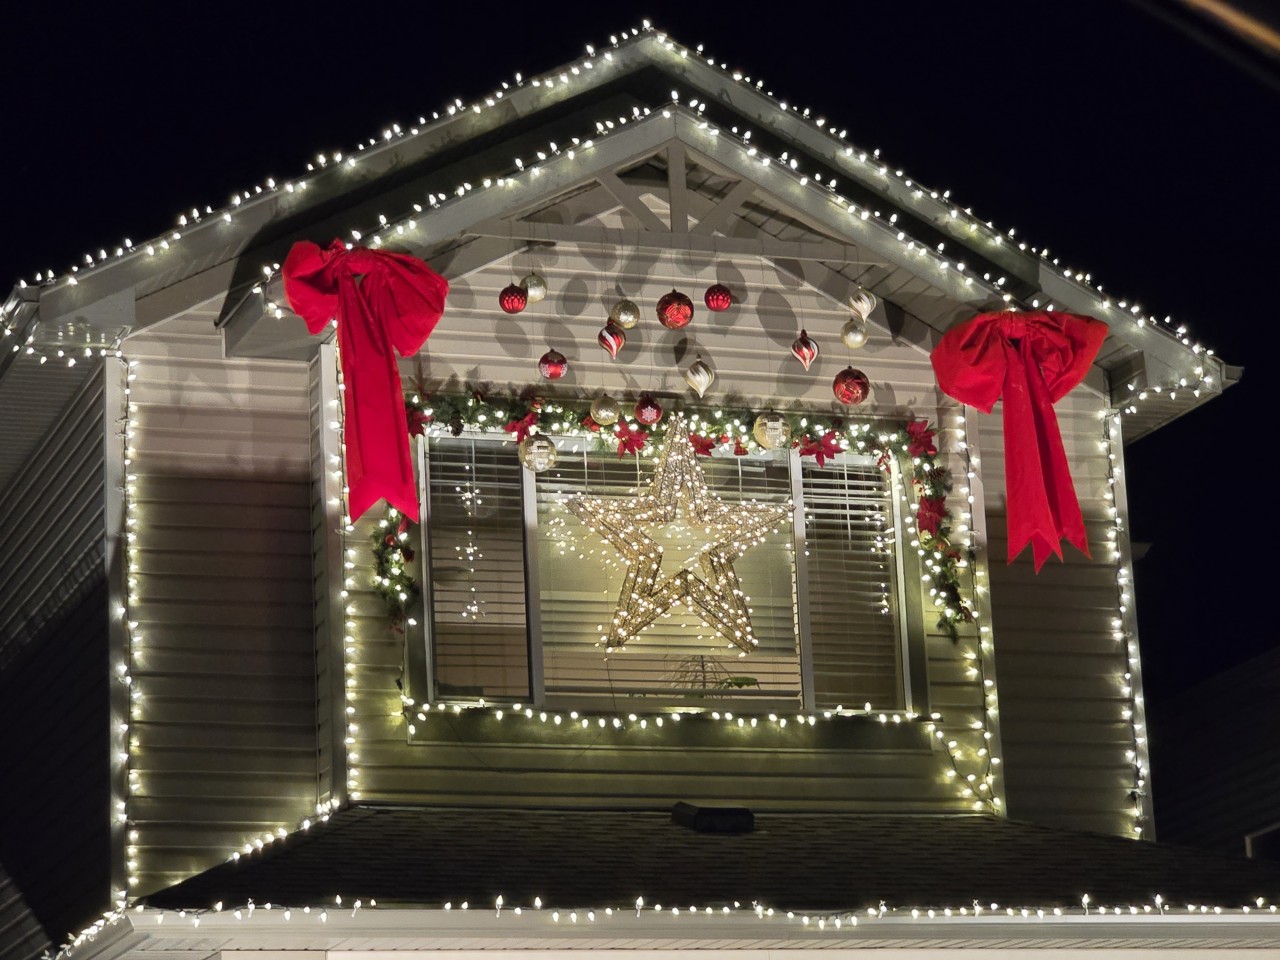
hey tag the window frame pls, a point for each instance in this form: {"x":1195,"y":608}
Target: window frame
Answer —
{"x":909,"y":619}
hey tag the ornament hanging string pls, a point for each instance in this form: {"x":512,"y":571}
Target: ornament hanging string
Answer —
{"x":1031,"y":361}
{"x":383,"y":303}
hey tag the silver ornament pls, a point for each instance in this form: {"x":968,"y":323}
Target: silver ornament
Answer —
{"x":535,"y":286}
{"x":625,"y":314}
{"x":537,"y":453}
{"x":862,"y":302}
{"x":605,"y":410}
{"x":699,"y":376}
{"x":854,"y":333}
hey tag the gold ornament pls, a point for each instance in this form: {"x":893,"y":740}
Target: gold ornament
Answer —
{"x":538,"y":453}
{"x":678,"y":492}
{"x":771,"y":430}
{"x":854,"y":333}
{"x":625,"y":314}
{"x":535,"y":287}
{"x":605,"y":410}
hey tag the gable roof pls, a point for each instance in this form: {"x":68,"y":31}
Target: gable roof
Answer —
{"x":429,"y":185}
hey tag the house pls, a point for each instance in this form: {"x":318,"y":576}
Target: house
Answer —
{"x":270,"y":725}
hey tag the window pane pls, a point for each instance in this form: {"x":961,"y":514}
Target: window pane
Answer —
{"x":476,"y":531}
{"x":678,"y":659}
{"x":849,"y":537}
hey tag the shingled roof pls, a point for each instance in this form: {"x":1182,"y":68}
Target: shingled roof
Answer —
{"x":801,"y":862}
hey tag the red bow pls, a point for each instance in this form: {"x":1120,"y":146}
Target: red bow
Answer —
{"x":702,"y":446}
{"x":1031,"y":360}
{"x":823,"y":449}
{"x":383,"y":303}
{"x":522,"y":427}
{"x":630,"y":439}
{"x":920,"y":439}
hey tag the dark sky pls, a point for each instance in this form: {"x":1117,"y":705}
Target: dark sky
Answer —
{"x":1091,"y":126}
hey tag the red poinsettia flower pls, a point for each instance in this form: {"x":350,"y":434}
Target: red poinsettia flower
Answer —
{"x":930,"y":514}
{"x":823,"y":449}
{"x":522,"y":427}
{"x":588,"y":422}
{"x":630,"y":439}
{"x":702,"y":445}
{"x":920,"y":439}
{"x":417,"y":421}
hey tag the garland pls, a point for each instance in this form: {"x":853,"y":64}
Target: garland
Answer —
{"x":729,"y":430}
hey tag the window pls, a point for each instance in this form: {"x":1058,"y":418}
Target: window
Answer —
{"x":521,"y":592}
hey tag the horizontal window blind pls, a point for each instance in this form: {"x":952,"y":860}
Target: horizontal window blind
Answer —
{"x":476,"y":537}
{"x":852,"y":571}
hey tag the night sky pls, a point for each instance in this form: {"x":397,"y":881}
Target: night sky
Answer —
{"x":1093,"y":127}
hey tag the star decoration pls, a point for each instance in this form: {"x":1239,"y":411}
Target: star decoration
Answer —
{"x":679,"y":491}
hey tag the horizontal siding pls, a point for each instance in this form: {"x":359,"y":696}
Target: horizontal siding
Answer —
{"x":224,"y":738}
{"x":1060,"y":666}
{"x":749,"y":348}
{"x":21,"y":936}
{"x":55,"y":807}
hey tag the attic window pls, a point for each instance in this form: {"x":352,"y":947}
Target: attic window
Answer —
{"x":520,"y":590}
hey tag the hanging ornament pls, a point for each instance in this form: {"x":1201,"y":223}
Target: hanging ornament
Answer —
{"x":862,"y":302}
{"x":851,"y":386}
{"x":553,"y":365}
{"x":648,"y":410}
{"x":699,"y":376}
{"x":675,"y":310}
{"x":513,"y":298}
{"x":605,"y":411}
{"x":537,"y":453}
{"x":534,"y":287}
{"x":612,"y":338}
{"x":625,"y":314}
{"x":854,"y":333}
{"x":771,"y":430}
{"x":718,"y":298}
{"x":804,"y":349}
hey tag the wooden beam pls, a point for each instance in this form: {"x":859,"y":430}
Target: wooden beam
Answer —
{"x":626,"y":196}
{"x":725,"y":209}
{"x":678,"y":188}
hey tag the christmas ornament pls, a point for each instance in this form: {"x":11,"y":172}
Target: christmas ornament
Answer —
{"x":537,"y":453}
{"x":675,"y":310}
{"x":679,"y":492}
{"x":625,"y":314}
{"x":718,"y":298}
{"x":851,"y":386}
{"x":804,"y":349}
{"x":862,"y":302}
{"x":648,"y":410}
{"x":854,"y":333}
{"x":611,"y":338}
{"x":1032,"y":359}
{"x":553,"y":365}
{"x":605,"y":411}
{"x":771,"y":430}
{"x":699,"y":376}
{"x":534,"y":287}
{"x":513,"y":298}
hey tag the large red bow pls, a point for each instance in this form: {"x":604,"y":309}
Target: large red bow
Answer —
{"x":382,"y":302}
{"x":1031,"y":360}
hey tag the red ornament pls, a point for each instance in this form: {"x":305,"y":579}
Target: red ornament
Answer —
{"x":805,"y":349}
{"x":717,"y":298}
{"x":675,"y":310}
{"x":612,"y":338}
{"x":851,"y":386}
{"x":553,"y":365}
{"x":513,"y":298}
{"x":648,"y":410}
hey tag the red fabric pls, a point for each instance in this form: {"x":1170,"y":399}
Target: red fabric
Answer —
{"x":383,"y":302}
{"x":1031,"y":361}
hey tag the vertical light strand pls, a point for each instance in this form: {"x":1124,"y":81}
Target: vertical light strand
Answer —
{"x":1125,"y":629}
{"x":347,"y":528}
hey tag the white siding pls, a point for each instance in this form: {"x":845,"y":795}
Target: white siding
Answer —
{"x":225,"y":740}
{"x":1060,"y":666}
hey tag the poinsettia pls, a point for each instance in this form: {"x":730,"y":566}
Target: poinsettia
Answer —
{"x":920,"y":439}
{"x":417,"y":421}
{"x":523,"y":426}
{"x":702,"y":446}
{"x":630,"y":439}
{"x":822,"y":449}
{"x":930,"y":514}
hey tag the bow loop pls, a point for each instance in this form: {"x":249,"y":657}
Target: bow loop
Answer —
{"x":1030,"y":360}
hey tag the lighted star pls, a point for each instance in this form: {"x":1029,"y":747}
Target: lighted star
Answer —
{"x":679,"y":491}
